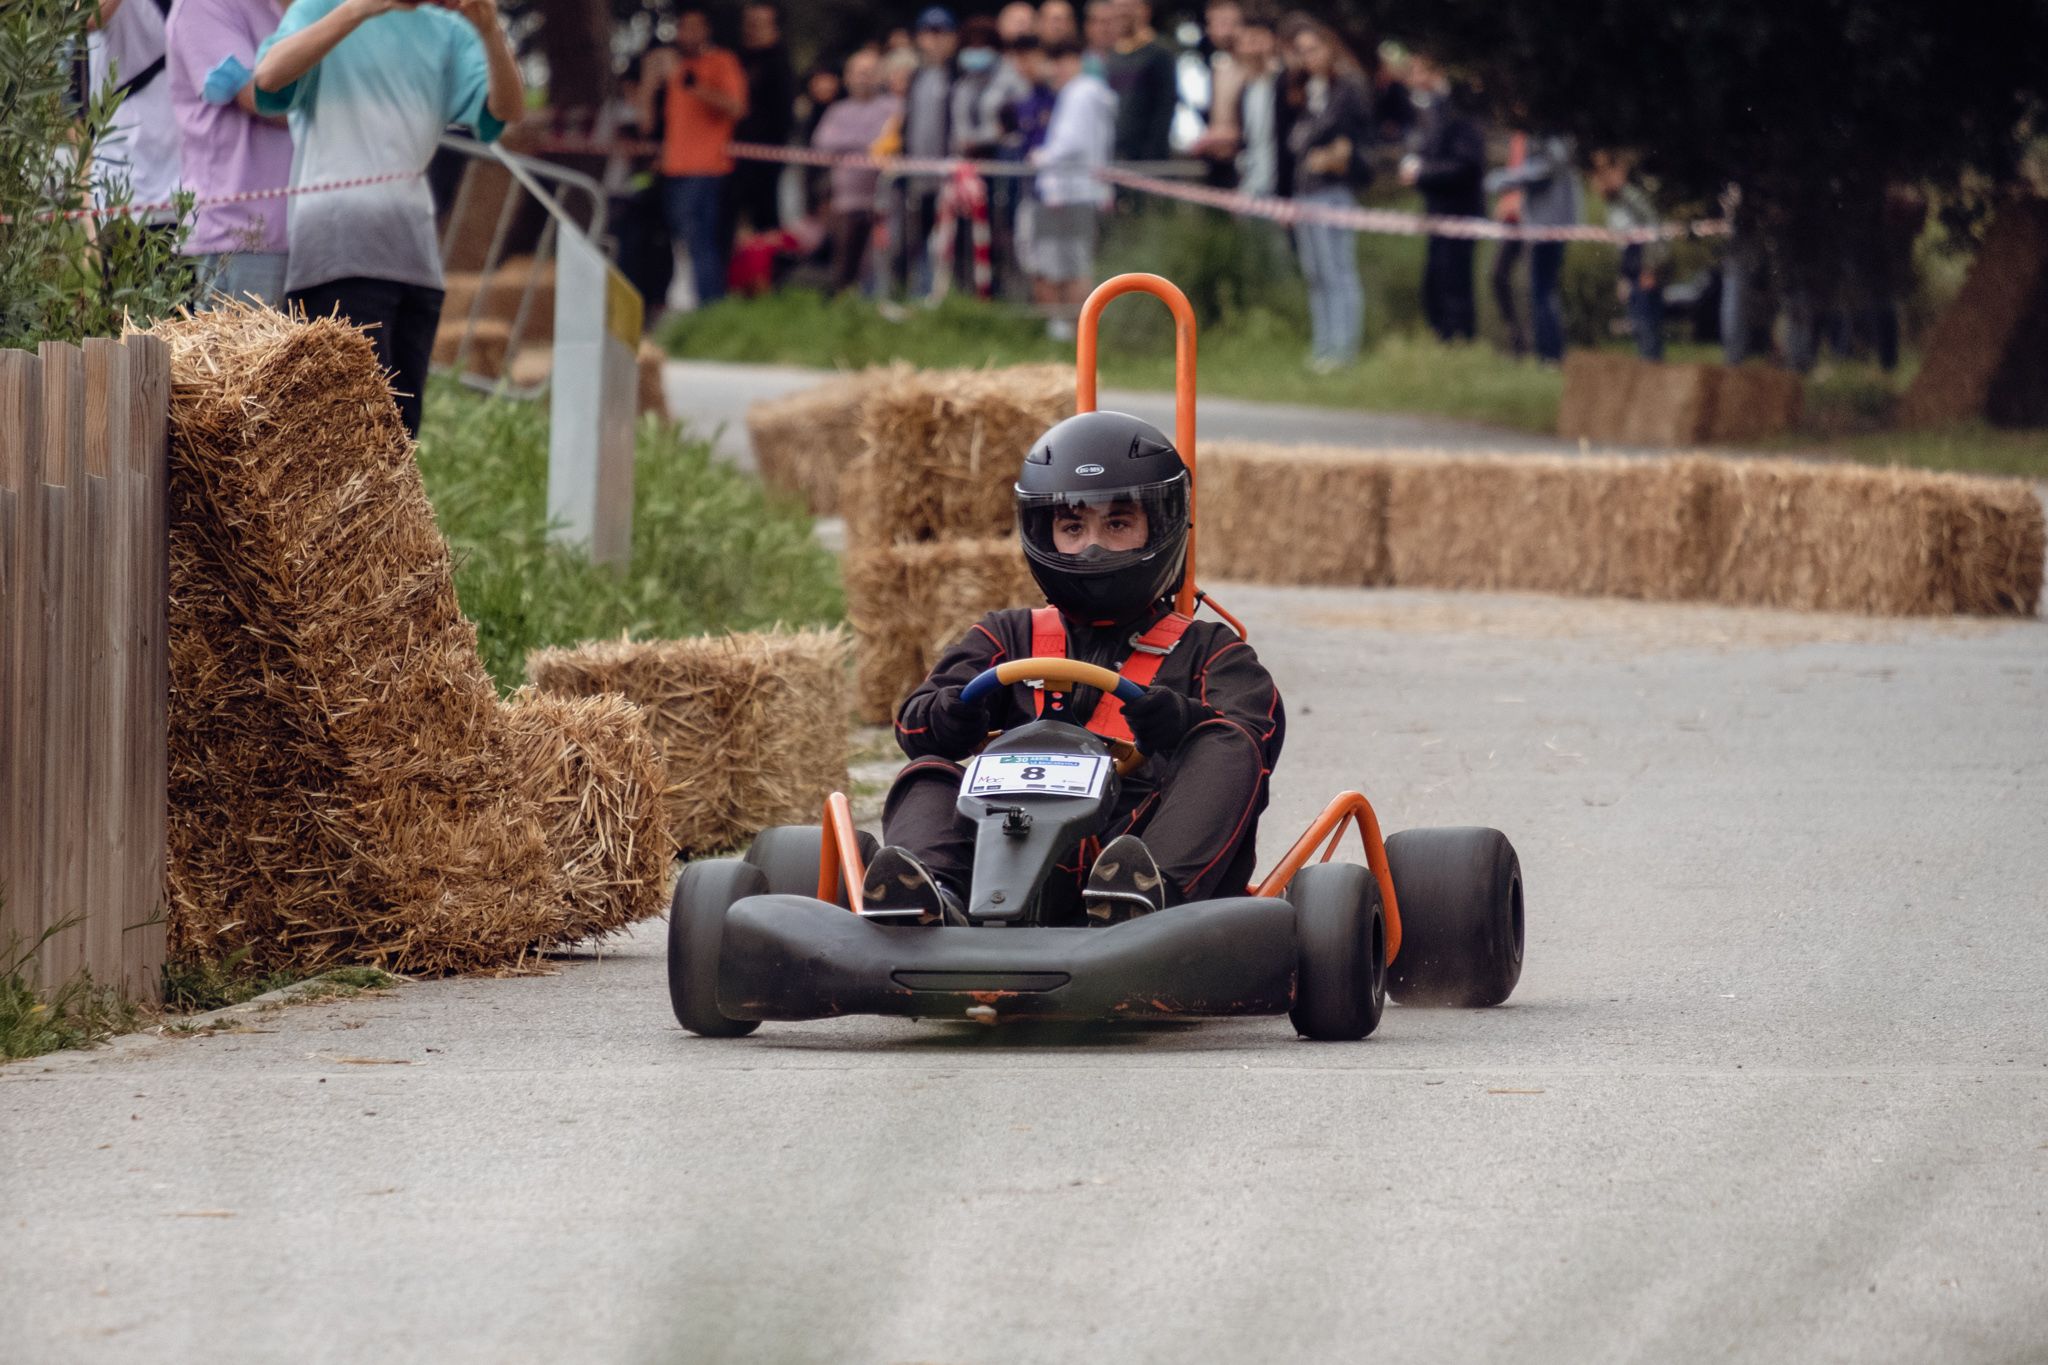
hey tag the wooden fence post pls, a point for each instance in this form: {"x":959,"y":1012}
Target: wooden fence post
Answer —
{"x":21,"y":510}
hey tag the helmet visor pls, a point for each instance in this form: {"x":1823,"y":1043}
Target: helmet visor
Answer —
{"x":1099,"y":530}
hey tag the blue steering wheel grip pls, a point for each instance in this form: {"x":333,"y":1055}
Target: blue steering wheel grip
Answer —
{"x":988,"y":680}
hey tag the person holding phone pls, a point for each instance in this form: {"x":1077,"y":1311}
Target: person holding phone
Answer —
{"x":704,"y":94}
{"x":369,"y":86}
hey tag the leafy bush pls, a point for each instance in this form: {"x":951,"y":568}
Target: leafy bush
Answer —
{"x":65,"y":277}
{"x":712,"y":550}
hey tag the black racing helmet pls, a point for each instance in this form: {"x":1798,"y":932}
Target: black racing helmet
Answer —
{"x":1102,"y":467}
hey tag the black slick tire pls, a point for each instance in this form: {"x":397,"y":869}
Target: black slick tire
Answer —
{"x":1459,"y":892}
{"x":788,"y":856}
{"x":696,"y":929}
{"x":1341,"y":987}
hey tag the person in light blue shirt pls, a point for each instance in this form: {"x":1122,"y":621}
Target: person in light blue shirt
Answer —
{"x":369,"y":86}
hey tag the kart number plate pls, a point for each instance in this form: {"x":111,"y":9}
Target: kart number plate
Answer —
{"x":1045,"y":774}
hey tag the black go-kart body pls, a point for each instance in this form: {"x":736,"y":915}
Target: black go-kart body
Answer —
{"x":750,"y":940}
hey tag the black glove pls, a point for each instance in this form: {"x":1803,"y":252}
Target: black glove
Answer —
{"x":1161,"y":719}
{"x":959,"y":725}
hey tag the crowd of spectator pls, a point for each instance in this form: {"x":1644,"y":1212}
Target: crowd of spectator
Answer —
{"x":1043,"y":96}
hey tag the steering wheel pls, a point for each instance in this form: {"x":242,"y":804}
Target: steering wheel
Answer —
{"x":1069,"y":671}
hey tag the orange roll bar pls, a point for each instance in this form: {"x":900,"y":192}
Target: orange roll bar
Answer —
{"x":1183,"y":384}
{"x":840,"y":854}
{"x":1349,"y":808}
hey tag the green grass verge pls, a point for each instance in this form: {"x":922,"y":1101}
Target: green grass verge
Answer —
{"x":711,"y":549}
{"x":77,"y":1013}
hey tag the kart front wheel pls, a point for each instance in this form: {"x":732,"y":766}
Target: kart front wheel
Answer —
{"x":1460,"y":896}
{"x":1341,"y":985}
{"x":789,"y":856}
{"x":696,"y":933}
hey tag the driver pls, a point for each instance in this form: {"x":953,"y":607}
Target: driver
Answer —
{"x":1102,"y":510}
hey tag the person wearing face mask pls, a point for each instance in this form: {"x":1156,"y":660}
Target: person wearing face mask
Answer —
{"x":1103,"y":505}
{"x":975,"y":129}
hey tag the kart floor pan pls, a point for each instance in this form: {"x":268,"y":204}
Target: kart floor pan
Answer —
{"x":792,"y":957}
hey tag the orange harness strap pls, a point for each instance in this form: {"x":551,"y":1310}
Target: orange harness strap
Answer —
{"x":1049,"y":641}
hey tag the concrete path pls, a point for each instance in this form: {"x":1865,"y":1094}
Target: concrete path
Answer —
{"x":1774,"y":1087}
{"x":713,"y":398}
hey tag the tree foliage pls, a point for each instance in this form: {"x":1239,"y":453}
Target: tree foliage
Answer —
{"x":64,"y":276}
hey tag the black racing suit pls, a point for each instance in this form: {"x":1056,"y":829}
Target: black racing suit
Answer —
{"x":1196,"y":808}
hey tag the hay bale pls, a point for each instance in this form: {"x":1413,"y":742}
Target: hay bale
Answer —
{"x":488,"y":342}
{"x":1292,"y":514}
{"x":1755,"y":403}
{"x":751,"y":728}
{"x":1670,"y":405}
{"x":946,"y":446}
{"x":906,"y":603}
{"x":1889,"y":542}
{"x":502,"y":292}
{"x":804,"y":441}
{"x":1597,"y":393}
{"x":342,"y":787}
{"x":1586,"y":525}
{"x":593,"y":769}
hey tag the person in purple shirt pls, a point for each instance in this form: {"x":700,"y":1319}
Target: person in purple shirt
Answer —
{"x":228,"y":147}
{"x":855,"y":124}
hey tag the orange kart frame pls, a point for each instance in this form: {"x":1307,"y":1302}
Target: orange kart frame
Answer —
{"x":841,"y":858}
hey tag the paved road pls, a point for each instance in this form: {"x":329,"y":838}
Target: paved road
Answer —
{"x":1774,"y":1087}
{"x":714,"y":397}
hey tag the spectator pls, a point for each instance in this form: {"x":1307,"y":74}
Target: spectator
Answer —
{"x":1079,"y":141}
{"x":1056,"y":23}
{"x":976,"y":127}
{"x":1328,"y":141}
{"x":647,"y":258}
{"x":140,"y":148}
{"x":1640,"y":285}
{"x":1142,"y":75}
{"x":927,"y":132}
{"x":1221,"y":136}
{"x":821,"y":92}
{"x":1101,"y":29}
{"x":1547,"y":187}
{"x":1449,"y":167}
{"x":1013,"y":21}
{"x":770,"y":116}
{"x":227,"y":148}
{"x":371,"y":84}
{"x":1393,"y":105}
{"x":1507,"y":254}
{"x":855,"y":124}
{"x":703,"y":94}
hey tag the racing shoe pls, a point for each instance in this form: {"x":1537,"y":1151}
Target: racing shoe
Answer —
{"x":900,"y":889}
{"x":1126,"y":882}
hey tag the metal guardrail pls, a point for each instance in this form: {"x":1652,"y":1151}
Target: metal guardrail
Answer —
{"x":554,"y":190}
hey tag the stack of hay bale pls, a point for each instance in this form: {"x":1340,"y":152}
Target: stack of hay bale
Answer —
{"x":803,"y":441}
{"x":930,"y":515}
{"x":751,"y":728}
{"x":1615,"y":398}
{"x":1777,"y":533}
{"x":345,"y":784}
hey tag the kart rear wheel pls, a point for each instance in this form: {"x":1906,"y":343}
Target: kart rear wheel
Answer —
{"x":789,"y":854}
{"x":1460,"y":896}
{"x":1342,"y":986}
{"x":696,"y":931}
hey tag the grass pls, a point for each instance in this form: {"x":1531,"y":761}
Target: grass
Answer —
{"x":712,"y":550}
{"x":196,"y":987}
{"x":77,"y":1013}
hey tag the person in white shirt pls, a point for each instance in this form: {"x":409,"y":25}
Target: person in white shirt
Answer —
{"x":1079,"y":141}
{"x":140,"y":149}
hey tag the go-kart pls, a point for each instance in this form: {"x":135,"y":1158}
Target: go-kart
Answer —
{"x":1433,"y":917}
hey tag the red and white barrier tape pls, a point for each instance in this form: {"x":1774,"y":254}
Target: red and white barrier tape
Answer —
{"x":965,"y":196}
{"x":241,"y":197}
{"x":1286,"y":212}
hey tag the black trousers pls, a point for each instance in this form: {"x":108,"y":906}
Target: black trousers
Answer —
{"x":1506,"y":257}
{"x":401,"y":320}
{"x":1447,"y":301}
{"x":754,"y":197}
{"x":852,"y":229}
{"x":1200,"y":820}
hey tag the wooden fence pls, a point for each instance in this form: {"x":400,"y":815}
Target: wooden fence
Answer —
{"x":84,"y":578}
